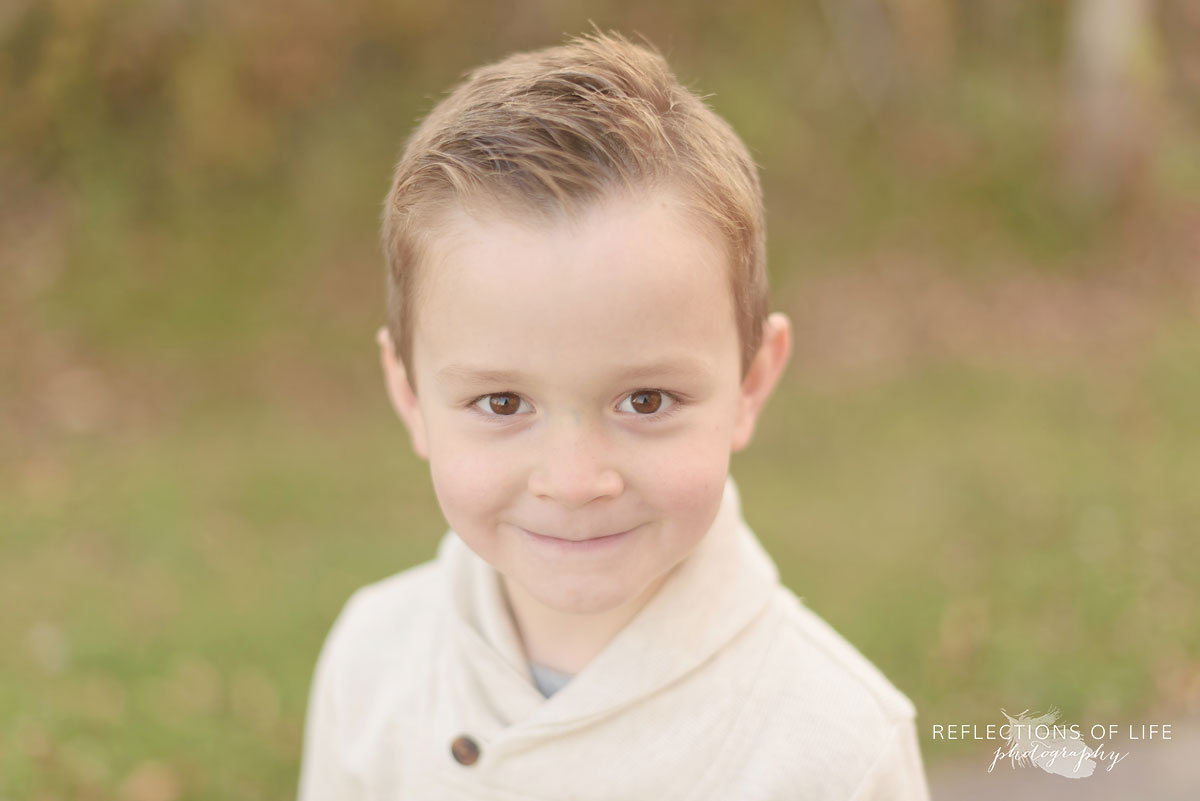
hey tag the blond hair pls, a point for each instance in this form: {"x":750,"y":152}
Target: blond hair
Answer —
{"x":553,"y":130}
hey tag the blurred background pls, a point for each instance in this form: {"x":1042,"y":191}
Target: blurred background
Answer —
{"x":981,"y":467}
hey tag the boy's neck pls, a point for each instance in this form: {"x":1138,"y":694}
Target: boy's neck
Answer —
{"x":563,"y":641}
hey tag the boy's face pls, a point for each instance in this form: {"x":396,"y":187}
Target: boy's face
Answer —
{"x":613,"y":401}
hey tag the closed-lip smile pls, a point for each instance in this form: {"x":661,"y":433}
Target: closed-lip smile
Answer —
{"x":564,"y":544}
{"x":576,"y":539}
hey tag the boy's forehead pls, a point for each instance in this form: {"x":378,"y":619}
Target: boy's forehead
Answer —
{"x":628,"y":288}
{"x":655,"y":215}
{"x":681,"y":365}
{"x":633,"y":246}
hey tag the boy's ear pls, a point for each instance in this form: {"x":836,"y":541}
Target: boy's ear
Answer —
{"x":764,"y":373}
{"x":400,"y":392}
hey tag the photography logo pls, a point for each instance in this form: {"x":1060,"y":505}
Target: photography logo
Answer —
{"x":1044,"y":743}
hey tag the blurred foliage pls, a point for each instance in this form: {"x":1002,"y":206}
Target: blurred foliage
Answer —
{"x":980,"y":468}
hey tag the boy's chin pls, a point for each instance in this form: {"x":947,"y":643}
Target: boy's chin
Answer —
{"x":584,"y":599}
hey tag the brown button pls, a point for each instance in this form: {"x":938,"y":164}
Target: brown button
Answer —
{"x":465,"y":750}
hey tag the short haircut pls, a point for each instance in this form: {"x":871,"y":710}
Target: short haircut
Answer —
{"x":549,"y":132}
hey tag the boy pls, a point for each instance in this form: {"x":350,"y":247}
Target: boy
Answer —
{"x":577,"y":341}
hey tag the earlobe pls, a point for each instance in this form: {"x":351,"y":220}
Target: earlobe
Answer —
{"x":762,"y":377}
{"x":400,"y":392}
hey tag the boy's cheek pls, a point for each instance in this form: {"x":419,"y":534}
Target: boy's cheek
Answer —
{"x":694,"y":481}
{"x":468,"y":477}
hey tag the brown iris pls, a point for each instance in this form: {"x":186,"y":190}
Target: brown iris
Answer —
{"x":646,"y":401}
{"x":504,"y":403}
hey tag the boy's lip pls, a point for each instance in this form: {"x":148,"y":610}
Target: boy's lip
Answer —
{"x":560,"y":548}
{"x":577,"y":539}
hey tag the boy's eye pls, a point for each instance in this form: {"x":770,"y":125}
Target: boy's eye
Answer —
{"x":504,"y":404}
{"x":646,"y":401}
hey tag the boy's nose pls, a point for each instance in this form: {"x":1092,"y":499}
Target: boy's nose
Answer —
{"x":574,"y":465}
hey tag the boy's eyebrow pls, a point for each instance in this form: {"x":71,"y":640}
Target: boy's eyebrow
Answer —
{"x":667,"y":367}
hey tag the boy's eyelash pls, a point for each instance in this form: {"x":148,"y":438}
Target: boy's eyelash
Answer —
{"x":677,"y":402}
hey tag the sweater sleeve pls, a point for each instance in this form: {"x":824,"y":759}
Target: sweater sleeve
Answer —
{"x":323,"y":773}
{"x":897,"y":775}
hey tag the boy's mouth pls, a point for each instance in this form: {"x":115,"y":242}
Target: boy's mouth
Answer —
{"x":585,"y":543}
{"x":576,"y":539}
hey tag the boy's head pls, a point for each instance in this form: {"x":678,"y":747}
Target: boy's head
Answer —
{"x":577,"y":335}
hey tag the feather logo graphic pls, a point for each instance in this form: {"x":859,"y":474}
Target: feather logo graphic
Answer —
{"x":1040,"y":741}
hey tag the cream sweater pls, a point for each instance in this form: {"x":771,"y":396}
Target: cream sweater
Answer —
{"x":724,"y":686}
